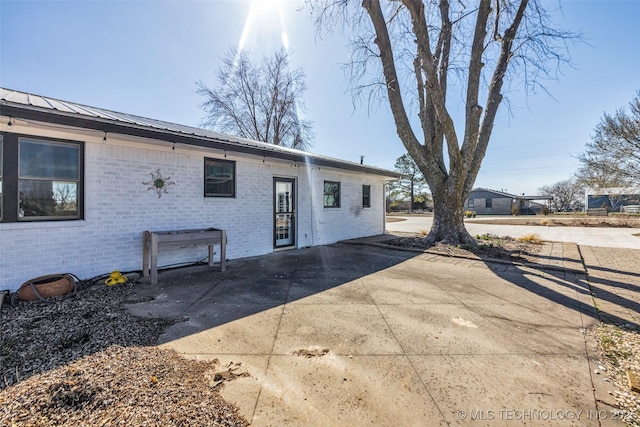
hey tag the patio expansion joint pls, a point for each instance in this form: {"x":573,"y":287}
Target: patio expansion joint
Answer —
{"x":406,"y":356}
{"x":275,"y":337}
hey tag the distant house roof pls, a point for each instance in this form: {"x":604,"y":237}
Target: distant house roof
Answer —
{"x":21,"y":105}
{"x":612,"y":191}
{"x":503,"y":194}
{"x":494,"y":192}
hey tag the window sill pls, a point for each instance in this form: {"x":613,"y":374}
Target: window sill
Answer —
{"x":34,"y":225}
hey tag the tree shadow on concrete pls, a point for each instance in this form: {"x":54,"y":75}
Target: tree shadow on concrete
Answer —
{"x":199,"y":298}
{"x":559,"y":286}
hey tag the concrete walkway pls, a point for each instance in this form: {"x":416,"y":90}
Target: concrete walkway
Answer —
{"x":351,"y":335}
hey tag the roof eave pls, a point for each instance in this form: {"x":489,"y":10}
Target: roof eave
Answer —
{"x":28,"y":112}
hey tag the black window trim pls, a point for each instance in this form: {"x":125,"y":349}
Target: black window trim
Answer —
{"x":235,"y":176}
{"x":11,"y":178}
{"x":324,"y":186}
{"x":368,"y":202}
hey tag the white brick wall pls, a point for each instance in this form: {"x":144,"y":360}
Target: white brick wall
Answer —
{"x":118,"y":208}
{"x":350,"y":220}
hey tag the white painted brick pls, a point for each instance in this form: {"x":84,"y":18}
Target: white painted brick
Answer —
{"x":118,"y":208}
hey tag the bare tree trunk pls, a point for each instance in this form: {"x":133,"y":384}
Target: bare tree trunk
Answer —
{"x":426,"y":39}
{"x":448,"y":219}
{"x":412,"y":197}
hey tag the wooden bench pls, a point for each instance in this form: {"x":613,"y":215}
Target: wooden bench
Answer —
{"x":152,"y":241}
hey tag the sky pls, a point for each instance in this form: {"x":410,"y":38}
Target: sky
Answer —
{"x":145,"y":57}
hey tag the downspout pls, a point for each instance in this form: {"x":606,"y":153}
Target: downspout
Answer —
{"x":311,"y":184}
{"x":384,"y":206}
{"x":385,"y":189}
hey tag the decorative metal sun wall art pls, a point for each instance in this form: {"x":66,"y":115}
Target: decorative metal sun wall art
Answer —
{"x":159,"y":183}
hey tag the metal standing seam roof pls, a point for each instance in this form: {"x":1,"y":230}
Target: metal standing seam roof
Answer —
{"x":19,"y":104}
{"x":512,"y":196}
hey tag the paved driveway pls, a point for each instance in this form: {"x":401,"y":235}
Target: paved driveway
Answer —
{"x":347,"y":335}
{"x":589,"y":236}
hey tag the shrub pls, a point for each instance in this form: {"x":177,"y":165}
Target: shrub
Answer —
{"x":545,"y":210}
{"x":515,"y":210}
{"x":469,"y":214}
{"x":531,"y":238}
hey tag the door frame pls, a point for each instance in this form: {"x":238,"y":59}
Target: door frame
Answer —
{"x":294,"y":199}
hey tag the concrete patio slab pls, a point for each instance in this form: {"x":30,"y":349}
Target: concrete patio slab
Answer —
{"x":535,"y":327}
{"x":346,"y":329}
{"x":204,"y":333}
{"x":508,"y":390}
{"x":393,"y":289}
{"x":410,"y":338}
{"x":308,"y":291}
{"x":446,"y":329}
{"x":338,"y":390}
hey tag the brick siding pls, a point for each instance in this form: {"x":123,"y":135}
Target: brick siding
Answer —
{"x":118,"y":208}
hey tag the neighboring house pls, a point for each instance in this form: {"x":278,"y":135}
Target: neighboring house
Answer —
{"x":79,"y":185}
{"x":613,"y":199}
{"x":491,"y":202}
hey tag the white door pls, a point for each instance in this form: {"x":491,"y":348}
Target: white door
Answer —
{"x":284,"y":212}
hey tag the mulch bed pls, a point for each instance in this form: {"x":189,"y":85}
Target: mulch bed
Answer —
{"x":81,"y":360}
{"x":488,"y":247}
{"x":130,"y":386}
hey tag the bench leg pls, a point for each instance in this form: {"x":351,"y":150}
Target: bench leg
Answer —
{"x":223,"y":250}
{"x":154,"y":259}
{"x":145,"y":255}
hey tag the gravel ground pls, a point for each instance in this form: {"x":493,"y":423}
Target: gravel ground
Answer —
{"x":82,"y":360}
{"x":619,"y":353}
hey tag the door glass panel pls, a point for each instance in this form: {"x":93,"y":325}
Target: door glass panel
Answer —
{"x":284,"y":207}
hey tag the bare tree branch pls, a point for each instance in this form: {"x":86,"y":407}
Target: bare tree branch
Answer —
{"x":426,"y":49}
{"x":258,"y":101}
{"x":612,"y":157}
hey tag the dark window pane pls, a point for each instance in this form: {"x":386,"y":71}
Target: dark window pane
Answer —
{"x":40,"y":198}
{"x":219,"y":178}
{"x":49,"y":160}
{"x":366,"y":196}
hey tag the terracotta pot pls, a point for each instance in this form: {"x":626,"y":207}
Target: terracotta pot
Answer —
{"x":46,"y":287}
